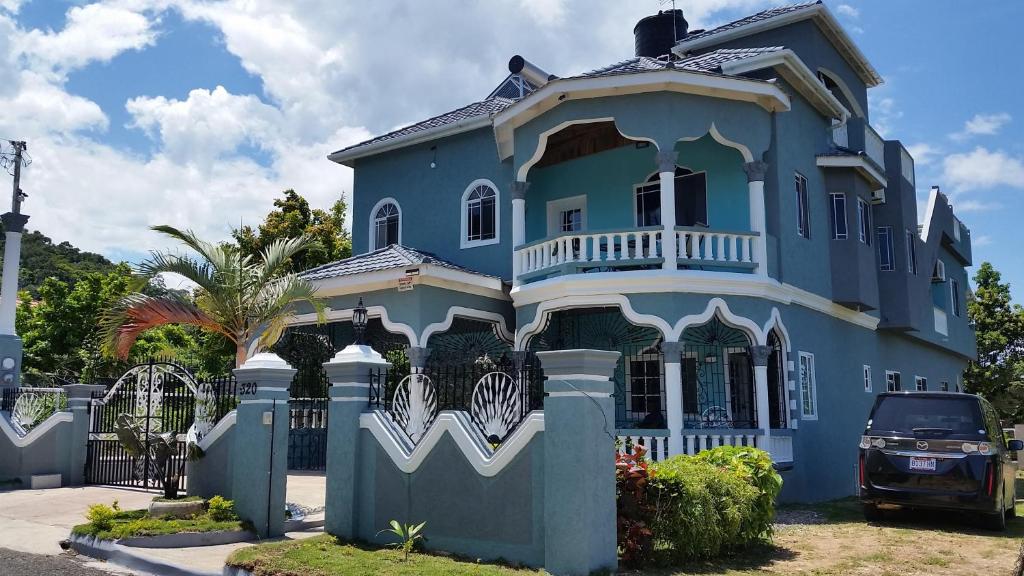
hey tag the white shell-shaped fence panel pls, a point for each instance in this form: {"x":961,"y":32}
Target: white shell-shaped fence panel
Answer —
{"x":414,"y":407}
{"x":497,"y":405}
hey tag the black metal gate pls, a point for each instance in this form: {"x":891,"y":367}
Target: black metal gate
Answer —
{"x":158,"y":397}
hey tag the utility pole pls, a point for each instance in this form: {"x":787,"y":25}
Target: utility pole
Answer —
{"x":14,"y":225}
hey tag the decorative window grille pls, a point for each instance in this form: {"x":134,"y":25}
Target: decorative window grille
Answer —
{"x":920,"y":383}
{"x":839,"y":228}
{"x":386,"y":225}
{"x":892,"y":381}
{"x":886,"y":258}
{"x":954,"y":292}
{"x":864,"y":220}
{"x":481,"y":214}
{"x":803,"y":221}
{"x":867,"y":378}
{"x":911,"y":252}
{"x":808,"y":387}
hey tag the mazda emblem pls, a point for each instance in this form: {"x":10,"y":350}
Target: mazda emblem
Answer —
{"x":922,"y":445}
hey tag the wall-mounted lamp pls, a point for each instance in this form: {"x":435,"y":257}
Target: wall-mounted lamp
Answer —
{"x":433,"y":159}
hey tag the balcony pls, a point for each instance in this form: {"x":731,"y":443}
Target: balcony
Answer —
{"x":636,"y":249}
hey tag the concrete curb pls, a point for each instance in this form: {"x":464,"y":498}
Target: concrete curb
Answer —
{"x":233,"y":571}
{"x":188,"y":539}
{"x":306,"y":523}
{"x":130,"y":558}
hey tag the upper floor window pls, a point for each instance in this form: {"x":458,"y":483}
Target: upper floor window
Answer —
{"x":954,"y":292}
{"x":864,"y":220}
{"x":867,"y":378}
{"x":892,"y":381}
{"x":385,"y":224}
{"x":886,"y":258}
{"x":911,"y":252}
{"x":691,"y":199}
{"x":480,"y":214}
{"x":920,"y":383}
{"x":803,"y":219}
{"x":944,"y":386}
{"x":808,"y":387}
{"x":839,"y":231}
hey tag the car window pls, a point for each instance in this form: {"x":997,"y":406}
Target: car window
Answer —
{"x":934,"y":416}
{"x":995,"y":431}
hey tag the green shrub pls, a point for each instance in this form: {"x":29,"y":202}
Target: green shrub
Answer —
{"x":711,"y":504}
{"x":221,"y":509}
{"x":101,"y":516}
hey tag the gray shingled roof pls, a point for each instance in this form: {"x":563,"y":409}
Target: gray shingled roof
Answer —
{"x":763,"y":15}
{"x":489,"y":106}
{"x":394,"y":256}
{"x":710,"y":62}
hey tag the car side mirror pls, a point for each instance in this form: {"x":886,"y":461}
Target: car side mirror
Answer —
{"x":1015,"y":445}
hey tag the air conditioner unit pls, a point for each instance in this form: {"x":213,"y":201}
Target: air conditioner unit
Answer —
{"x":939,"y":272}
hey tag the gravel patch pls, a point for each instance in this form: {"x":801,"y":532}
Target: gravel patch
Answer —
{"x":25,"y":564}
{"x":798,"y":517}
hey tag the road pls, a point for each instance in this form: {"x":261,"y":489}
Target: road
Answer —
{"x":14,"y":563}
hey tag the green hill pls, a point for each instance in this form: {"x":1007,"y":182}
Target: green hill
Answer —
{"x":41,"y":259}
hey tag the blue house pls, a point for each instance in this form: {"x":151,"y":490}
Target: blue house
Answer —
{"x":717,"y":208}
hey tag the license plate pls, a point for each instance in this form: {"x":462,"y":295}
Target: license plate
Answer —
{"x":922,"y":463}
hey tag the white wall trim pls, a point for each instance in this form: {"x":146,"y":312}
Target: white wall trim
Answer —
{"x":858,"y":163}
{"x":371,"y":312}
{"x":542,"y":141}
{"x":222,"y":426}
{"x":582,"y":290}
{"x":35,"y":433}
{"x":373,"y":219}
{"x":486,"y":461}
{"x":845,"y":90}
{"x":718,"y":307}
{"x":775,"y":321}
{"x":548,"y":306}
{"x":464,"y":228}
{"x":429,"y":275}
{"x":471,"y":313}
{"x":794,"y":71}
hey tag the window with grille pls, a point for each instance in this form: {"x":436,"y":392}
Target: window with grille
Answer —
{"x":920,"y":383}
{"x":808,"y":387}
{"x":886,"y":258}
{"x":386,"y":225}
{"x":892,"y":381}
{"x":480,"y":215}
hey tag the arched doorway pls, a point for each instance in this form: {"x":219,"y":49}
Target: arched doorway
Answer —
{"x":778,"y":408}
{"x":718,"y":377}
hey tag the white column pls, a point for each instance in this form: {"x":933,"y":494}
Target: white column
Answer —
{"x":666,"y":160}
{"x":759,"y":355}
{"x":14,"y":224}
{"x":673,"y":395}
{"x":755,"y":185}
{"x":518,"y":225}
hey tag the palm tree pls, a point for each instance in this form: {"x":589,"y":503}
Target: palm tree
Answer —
{"x":239,"y":296}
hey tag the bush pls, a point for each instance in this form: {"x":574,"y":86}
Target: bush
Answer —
{"x":101,"y":516}
{"x":633,"y":508}
{"x":221,"y":509}
{"x":755,"y":467}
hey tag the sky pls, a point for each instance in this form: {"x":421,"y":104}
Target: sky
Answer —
{"x":199,"y":113}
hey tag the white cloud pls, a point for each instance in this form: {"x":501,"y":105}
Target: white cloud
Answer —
{"x":923,"y":153}
{"x":963,"y":206}
{"x":94,"y":32}
{"x":982,"y":125}
{"x":545,"y":12}
{"x":848,"y":11}
{"x":979,"y":241}
{"x":983,"y":169}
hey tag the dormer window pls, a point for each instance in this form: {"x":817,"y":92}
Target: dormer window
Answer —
{"x":385,"y":224}
{"x":480,"y":214}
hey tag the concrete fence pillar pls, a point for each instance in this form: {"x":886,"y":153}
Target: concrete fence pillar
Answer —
{"x":79,"y":396}
{"x":673,"y":353}
{"x":349,"y":374}
{"x":579,"y":461}
{"x":260,"y":474}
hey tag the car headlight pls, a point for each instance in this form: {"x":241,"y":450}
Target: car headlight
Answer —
{"x":865,"y":442}
{"x":879,"y":443}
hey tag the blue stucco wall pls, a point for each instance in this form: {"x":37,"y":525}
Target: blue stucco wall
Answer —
{"x":49,"y":453}
{"x":212,"y":474}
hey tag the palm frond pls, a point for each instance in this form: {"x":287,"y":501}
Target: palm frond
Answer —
{"x":135,"y":313}
{"x":199,"y":272}
{"x":276,"y":255}
{"x":207,"y":250}
{"x":275,"y":305}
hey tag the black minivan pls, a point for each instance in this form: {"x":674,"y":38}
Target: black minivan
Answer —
{"x":938,"y":450}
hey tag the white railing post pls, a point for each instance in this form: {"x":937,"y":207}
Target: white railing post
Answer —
{"x":518,"y":226}
{"x":756,"y":172}
{"x":666,"y":160}
{"x":672,"y":352}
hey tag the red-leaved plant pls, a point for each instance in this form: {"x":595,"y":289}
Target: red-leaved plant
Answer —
{"x":635,"y":539}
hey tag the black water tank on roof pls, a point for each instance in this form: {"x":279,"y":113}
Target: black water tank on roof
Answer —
{"x":655,"y":35}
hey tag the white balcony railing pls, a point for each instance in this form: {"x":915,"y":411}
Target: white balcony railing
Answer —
{"x":612,"y":248}
{"x":874,"y":146}
{"x":779,"y":446}
{"x":941,"y":322}
{"x":907,"y":165}
{"x":707,"y":245}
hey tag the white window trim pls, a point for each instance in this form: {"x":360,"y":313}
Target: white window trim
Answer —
{"x":464,"y":227}
{"x":864,"y":221}
{"x":944,"y":386}
{"x":892,"y":249}
{"x":918,"y":380}
{"x":868,"y":385}
{"x":889,"y":373}
{"x":373,"y":222}
{"x":807,"y":206}
{"x":804,"y":415}
{"x":835,"y":223}
{"x":569,"y":203}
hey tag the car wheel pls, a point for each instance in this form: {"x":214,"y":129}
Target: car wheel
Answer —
{"x":997,"y":520}
{"x":872,"y":513}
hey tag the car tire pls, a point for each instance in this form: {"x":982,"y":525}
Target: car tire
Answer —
{"x":996,"y":521}
{"x":1012,"y":512}
{"x":872,"y":513}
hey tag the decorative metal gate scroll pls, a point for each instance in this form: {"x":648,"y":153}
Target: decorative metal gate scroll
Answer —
{"x":157,"y":397}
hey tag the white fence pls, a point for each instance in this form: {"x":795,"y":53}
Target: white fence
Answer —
{"x":707,"y":245}
{"x":610,"y":248}
{"x":780,"y":447}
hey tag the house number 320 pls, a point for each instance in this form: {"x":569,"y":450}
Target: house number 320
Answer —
{"x":247,"y":389}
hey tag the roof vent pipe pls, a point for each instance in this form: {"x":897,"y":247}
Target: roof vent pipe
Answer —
{"x":534,"y":75}
{"x":654,"y":36}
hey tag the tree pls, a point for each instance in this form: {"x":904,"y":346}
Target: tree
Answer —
{"x":239,"y":296}
{"x":292,"y":218}
{"x":998,"y":373}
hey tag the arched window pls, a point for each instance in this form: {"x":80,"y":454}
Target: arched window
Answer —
{"x":385,"y":224}
{"x":691,"y":199}
{"x":480,"y":214}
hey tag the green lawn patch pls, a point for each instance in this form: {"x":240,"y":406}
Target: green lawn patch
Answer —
{"x":183,"y":499}
{"x":129,"y":523}
{"x":325,"y":555}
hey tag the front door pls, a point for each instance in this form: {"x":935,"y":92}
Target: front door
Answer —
{"x":741,"y":389}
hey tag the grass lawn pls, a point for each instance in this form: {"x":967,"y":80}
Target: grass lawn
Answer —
{"x":129,"y":523}
{"x":826,"y":540}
